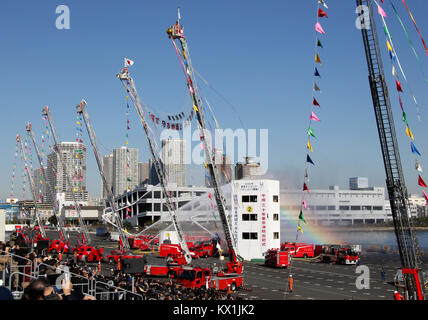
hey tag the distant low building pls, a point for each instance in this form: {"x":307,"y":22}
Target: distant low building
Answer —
{"x":335,"y":206}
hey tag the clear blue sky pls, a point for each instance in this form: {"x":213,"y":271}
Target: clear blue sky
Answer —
{"x":258,"y":54}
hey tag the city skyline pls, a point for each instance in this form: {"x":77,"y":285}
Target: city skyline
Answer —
{"x":351,"y":147}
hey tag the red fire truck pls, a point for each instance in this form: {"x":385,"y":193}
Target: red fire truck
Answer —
{"x":56,"y":246}
{"x":200,"y":277}
{"x":162,"y":270}
{"x":143,"y":242}
{"x":337,"y":254}
{"x":298,"y":250}
{"x":277,"y":259}
{"x":174,"y":250}
{"x":205,"y":249}
{"x":90,"y":254}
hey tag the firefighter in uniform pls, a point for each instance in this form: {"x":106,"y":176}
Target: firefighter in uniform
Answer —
{"x":398,"y":296}
{"x":290,"y":283}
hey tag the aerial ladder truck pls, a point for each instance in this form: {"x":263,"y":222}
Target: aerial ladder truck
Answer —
{"x":36,"y":219}
{"x":398,"y":197}
{"x":185,"y":258}
{"x":85,"y":238}
{"x":124,"y":247}
{"x":64,"y":238}
{"x":175,"y":32}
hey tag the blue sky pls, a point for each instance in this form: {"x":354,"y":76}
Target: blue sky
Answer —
{"x":258,"y":54}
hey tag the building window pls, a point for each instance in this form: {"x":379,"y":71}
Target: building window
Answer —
{"x":249,"y":198}
{"x":249,"y":235}
{"x":276,"y":235}
{"x":321,"y":207}
{"x":249,"y":217}
{"x":377,"y":208}
{"x":331,"y":207}
{"x":275,"y":217}
{"x":355,"y":208}
{"x":343,"y":207}
{"x":275,"y":198}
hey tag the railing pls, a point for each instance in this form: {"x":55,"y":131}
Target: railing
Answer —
{"x":11,"y":276}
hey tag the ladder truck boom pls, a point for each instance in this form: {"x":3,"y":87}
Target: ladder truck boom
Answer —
{"x":63,"y":235}
{"x":81,"y":109}
{"x":32,"y":187}
{"x":125,"y":76}
{"x":58,"y":151}
{"x":176,"y":32}
{"x":404,"y":231}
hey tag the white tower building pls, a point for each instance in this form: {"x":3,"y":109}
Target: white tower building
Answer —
{"x":255,"y":217}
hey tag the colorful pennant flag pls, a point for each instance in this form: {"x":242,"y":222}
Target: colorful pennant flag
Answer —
{"x":409,"y":133}
{"x":315,"y":103}
{"x":414,"y":150}
{"x":323,"y":3}
{"x":319,"y":28}
{"x":381,"y":11}
{"x":304,"y":203}
{"x":309,"y":146}
{"x":421,"y":182}
{"x":425,"y":196}
{"x":305,"y":187}
{"x":388,"y":45}
{"x":418,"y":166}
{"x":317,"y":59}
{"x":308,"y":159}
{"x":301,"y":217}
{"x":319,"y":44}
{"x":399,"y":89}
{"x":314,"y":117}
{"x":322,"y":13}
{"x":299,"y":228}
{"x":311,"y":132}
{"x":316,"y":88}
{"x":316,"y":73}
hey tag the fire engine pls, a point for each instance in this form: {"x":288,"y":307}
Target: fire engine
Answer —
{"x":205,"y":249}
{"x":90,"y":254}
{"x":277,"y":258}
{"x":142,"y":242}
{"x":298,"y":250}
{"x":203,"y":277}
{"x":337,"y":254}
{"x":56,"y":246}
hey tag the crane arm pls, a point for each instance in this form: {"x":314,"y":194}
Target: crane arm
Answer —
{"x":32,"y":187}
{"x":81,"y":109}
{"x":63,"y":235}
{"x":176,"y":32}
{"x":58,"y":151}
{"x":126,"y":78}
{"x":404,"y":231}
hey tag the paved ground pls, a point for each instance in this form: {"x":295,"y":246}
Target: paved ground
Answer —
{"x":312,"y":281}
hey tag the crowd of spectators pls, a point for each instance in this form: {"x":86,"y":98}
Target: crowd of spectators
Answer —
{"x":110,"y":281}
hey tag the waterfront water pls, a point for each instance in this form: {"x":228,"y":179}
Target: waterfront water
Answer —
{"x":365,"y":238}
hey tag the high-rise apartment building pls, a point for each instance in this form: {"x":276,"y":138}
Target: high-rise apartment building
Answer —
{"x":125,"y":169}
{"x":174,"y":161}
{"x":73,"y":156}
{"x":143,"y":173}
{"x":108,"y":173}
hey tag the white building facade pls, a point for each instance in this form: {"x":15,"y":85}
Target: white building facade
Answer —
{"x":255,"y":217}
{"x":336,"y":206}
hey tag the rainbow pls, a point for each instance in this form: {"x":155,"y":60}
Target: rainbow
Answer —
{"x":311,"y":233}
